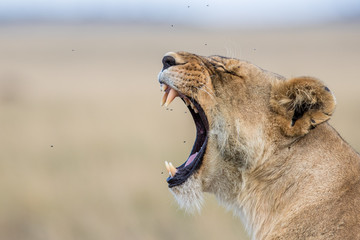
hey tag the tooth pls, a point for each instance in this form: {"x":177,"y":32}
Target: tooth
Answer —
{"x":172,"y":169}
{"x":193,"y":107}
{"x":172,"y":95}
{"x":167,"y":166}
{"x":164,"y":87}
{"x":163,"y":100}
{"x":187,"y":101}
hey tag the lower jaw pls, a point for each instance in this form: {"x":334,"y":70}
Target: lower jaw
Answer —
{"x":190,"y":167}
{"x":185,"y":172}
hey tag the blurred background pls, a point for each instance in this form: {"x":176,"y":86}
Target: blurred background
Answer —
{"x":83,"y":138}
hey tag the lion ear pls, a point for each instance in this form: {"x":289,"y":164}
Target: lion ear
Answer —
{"x":301,"y":104}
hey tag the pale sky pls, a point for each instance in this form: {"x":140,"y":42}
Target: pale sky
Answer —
{"x":196,"y":12}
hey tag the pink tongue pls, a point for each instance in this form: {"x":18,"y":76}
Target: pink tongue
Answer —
{"x":191,"y":158}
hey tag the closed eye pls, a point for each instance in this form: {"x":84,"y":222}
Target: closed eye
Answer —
{"x":227,"y":71}
{"x":216,"y":64}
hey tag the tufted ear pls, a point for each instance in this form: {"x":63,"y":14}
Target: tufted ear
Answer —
{"x":301,"y":104}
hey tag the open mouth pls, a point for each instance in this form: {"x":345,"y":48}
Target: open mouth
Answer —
{"x":178,"y":175}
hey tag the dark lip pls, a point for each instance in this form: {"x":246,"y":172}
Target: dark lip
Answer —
{"x":202,"y":129}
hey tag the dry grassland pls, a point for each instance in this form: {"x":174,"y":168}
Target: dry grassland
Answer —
{"x":83,"y":138}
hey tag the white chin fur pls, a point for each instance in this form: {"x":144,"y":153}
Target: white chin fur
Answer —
{"x":189,"y":195}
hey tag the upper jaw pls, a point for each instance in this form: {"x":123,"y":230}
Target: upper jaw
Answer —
{"x":170,"y":93}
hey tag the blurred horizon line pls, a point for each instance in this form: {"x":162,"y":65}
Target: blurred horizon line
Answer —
{"x":353,"y":20}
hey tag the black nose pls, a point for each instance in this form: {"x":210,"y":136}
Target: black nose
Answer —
{"x":168,"y":61}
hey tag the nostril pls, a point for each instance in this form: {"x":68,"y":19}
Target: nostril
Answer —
{"x":168,"y":61}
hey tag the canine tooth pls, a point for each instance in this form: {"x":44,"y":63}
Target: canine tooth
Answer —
{"x":163,"y":100}
{"x":164,"y":87}
{"x":167,"y":166}
{"x":172,"y":169}
{"x":172,"y":95}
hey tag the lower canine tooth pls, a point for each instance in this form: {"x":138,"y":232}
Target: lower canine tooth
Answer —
{"x":167,"y":166}
{"x":172,"y":169}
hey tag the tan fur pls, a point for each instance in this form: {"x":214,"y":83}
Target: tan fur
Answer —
{"x":271,"y":156}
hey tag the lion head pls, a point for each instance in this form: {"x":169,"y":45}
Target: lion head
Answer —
{"x":243,"y":115}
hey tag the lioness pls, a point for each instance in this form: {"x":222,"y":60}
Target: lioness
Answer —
{"x":264,"y":148}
